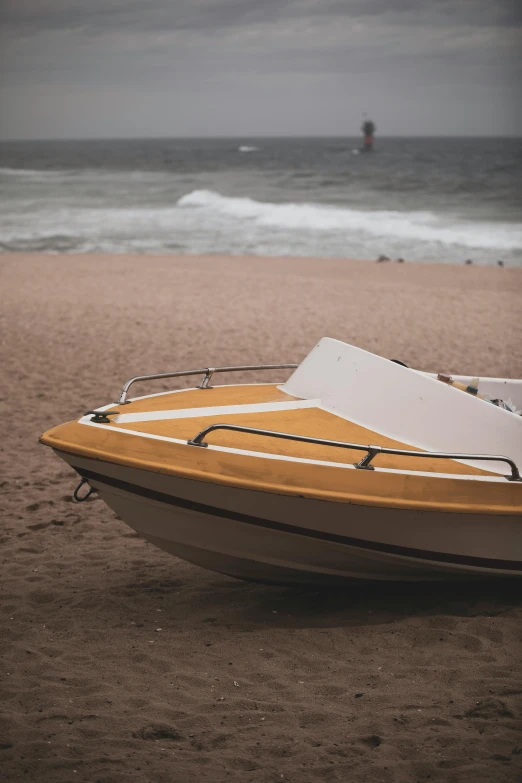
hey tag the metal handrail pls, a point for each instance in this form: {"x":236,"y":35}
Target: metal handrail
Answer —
{"x":371,"y":451}
{"x":209,"y":372}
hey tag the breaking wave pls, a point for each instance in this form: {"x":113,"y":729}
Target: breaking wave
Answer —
{"x":419,"y":226}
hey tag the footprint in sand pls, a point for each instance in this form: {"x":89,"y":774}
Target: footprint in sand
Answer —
{"x":38,"y":526}
{"x":488,"y":709}
{"x":38,"y":505}
{"x":158,"y":731}
{"x":373,"y":741}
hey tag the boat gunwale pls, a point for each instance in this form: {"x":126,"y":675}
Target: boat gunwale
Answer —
{"x":493,"y":477}
{"x":293,"y":491}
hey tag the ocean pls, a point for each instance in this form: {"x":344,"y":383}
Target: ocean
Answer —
{"x":430,"y":199}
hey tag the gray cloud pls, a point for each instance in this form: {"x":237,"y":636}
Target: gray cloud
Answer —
{"x":137,"y":15}
{"x":98,"y":15}
{"x":174,"y":67}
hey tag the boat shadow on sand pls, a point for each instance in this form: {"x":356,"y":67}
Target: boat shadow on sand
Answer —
{"x":227,"y":602}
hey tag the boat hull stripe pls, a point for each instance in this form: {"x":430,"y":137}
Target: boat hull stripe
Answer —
{"x":419,"y":554}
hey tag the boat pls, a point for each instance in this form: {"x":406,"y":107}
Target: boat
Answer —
{"x":356,"y":467}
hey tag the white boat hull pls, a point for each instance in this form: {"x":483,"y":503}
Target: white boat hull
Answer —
{"x":270,"y":537}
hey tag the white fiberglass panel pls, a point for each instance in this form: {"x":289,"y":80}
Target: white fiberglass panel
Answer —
{"x":404,"y":404}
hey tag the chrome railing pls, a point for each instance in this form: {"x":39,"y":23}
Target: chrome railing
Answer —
{"x":371,"y":451}
{"x":207,"y":371}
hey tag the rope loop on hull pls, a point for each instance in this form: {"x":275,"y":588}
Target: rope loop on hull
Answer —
{"x":81,"y":498}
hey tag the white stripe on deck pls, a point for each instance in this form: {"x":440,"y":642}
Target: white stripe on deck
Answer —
{"x":219,"y":410}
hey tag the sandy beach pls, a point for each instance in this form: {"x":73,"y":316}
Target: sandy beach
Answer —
{"x":122,"y":663}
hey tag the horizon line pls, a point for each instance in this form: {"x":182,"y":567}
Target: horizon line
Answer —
{"x":247,"y":137}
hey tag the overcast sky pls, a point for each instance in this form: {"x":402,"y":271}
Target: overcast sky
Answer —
{"x":82,"y":68}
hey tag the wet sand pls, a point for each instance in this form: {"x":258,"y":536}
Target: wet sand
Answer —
{"x":123,"y":663}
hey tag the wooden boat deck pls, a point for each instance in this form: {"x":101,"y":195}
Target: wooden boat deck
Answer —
{"x":309,"y":421}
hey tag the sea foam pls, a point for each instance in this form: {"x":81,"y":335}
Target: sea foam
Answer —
{"x":6,"y":171}
{"x":422,"y":226}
